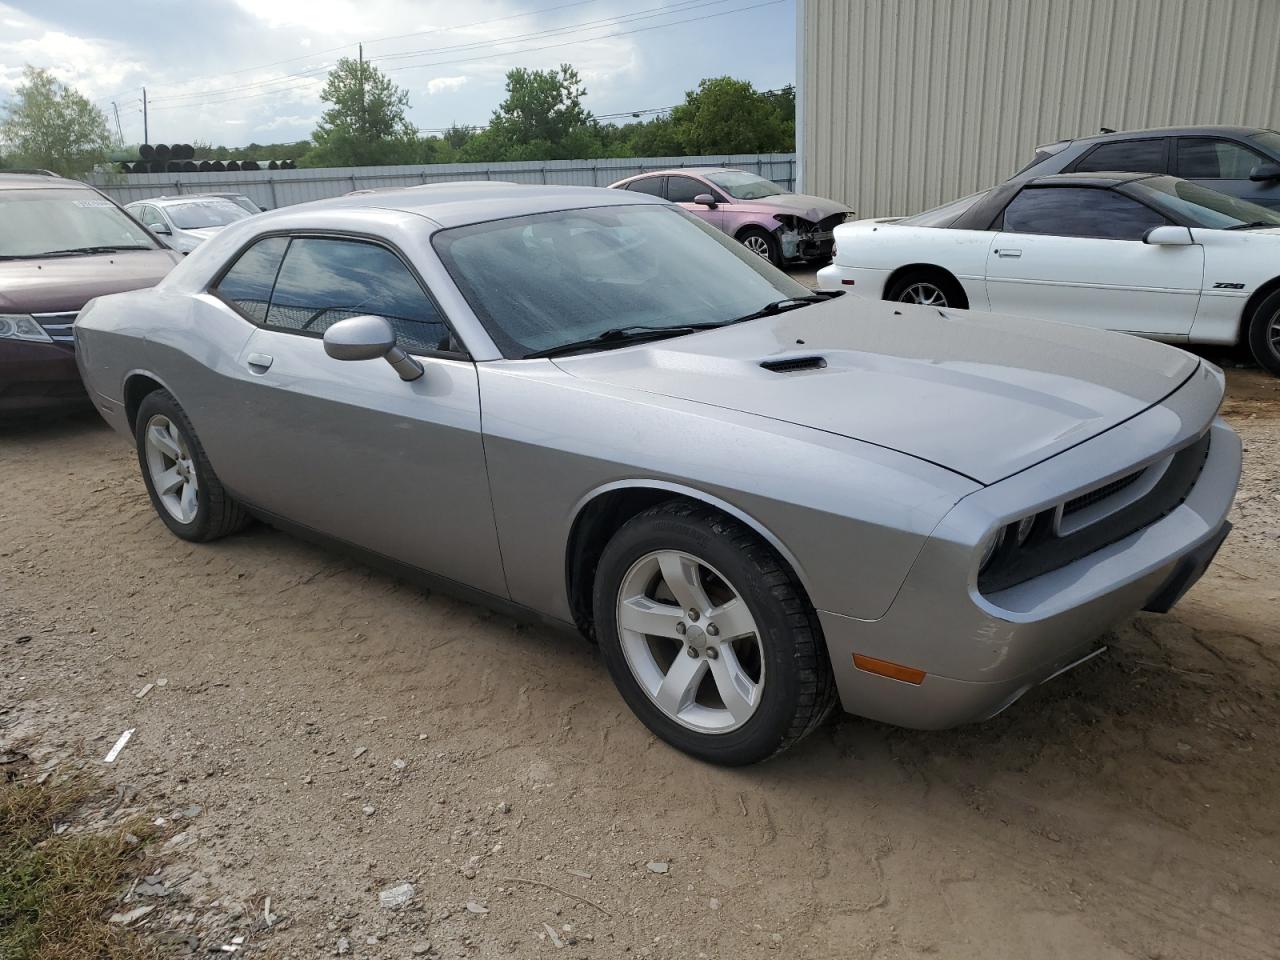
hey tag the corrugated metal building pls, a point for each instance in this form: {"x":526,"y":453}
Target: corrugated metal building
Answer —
{"x":905,"y":104}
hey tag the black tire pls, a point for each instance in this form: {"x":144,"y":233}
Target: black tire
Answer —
{"x":752,"y":237}
{"x":216,"y":513}
{"x":799,"y":689}
{"x":1263,"y":333}
{"x":940,"y":280}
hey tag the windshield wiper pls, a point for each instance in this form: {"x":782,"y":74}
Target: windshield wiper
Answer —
{"x":621,"y":336}
{"x":1252,"y":225}
{"x":787,"y":303}
{"x":84,"y":251}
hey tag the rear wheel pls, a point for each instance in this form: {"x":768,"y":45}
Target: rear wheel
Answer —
{"x":1264,"y":333}
{"x":184,"y":490}
{"x":762,"y":243}
{"x":708,"y":637}
{"x":928,"y":288}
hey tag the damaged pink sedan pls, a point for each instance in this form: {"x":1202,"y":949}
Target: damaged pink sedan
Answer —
{"x":780,"y":226}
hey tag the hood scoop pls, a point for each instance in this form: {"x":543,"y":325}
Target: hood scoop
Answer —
{"x":794,"y":364}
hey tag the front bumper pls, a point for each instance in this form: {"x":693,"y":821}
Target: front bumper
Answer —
{"x":39,"y":378}
{"x":981,"y":652}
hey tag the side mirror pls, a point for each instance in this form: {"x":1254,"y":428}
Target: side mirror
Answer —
{"x":706,"y":199}
{"x":367,"y":338}
{"x":1168,"y":236}
{"x":160,"y":228}
{"x":1265,"y":171}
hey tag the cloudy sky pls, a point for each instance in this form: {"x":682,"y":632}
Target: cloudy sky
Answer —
{"x":236,"y":71}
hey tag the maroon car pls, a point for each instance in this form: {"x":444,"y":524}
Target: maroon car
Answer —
{"x":62,"y":243}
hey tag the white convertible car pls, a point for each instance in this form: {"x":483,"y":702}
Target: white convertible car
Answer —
{"x":1151,"y":255}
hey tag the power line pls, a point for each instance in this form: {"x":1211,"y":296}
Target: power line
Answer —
{"x":402,"y":36}
{"x":553,"y":46}
{"x":681,"y":6}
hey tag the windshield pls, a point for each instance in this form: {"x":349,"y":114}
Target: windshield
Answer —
{"x":943,"y":215}
{"x":210,"y":212}
{"x":38,"y":222}
{"x":744,"y":186}
{"x":1200,"y":206}
{"x":1268,"y":140}
{"x":549,"y":279}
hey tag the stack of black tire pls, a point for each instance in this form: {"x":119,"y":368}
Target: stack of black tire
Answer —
{"x":180,"y":158}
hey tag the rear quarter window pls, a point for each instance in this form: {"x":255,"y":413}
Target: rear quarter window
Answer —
{"x":247,"y":285}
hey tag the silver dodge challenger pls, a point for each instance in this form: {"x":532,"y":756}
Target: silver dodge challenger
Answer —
{"x":588,"y":407}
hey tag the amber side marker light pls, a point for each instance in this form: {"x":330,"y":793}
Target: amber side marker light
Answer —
{"x":887,"y":668}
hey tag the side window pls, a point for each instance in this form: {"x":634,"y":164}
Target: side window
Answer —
{"x":1205,"y":159}
{"x":649,"y":185}
{"x":249,"y":281}
{"x":149,"y":215}
{"x":1079,"y":212}
{"x":323,"y":281}
{"x":1131,"y":156}
{"x":684,"y":189}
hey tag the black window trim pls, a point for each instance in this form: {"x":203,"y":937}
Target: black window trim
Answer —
{"x":997,"y":224}
{"x":322,"y":234}
{"x":1169,"y":155}
{"x":1176,"y":162}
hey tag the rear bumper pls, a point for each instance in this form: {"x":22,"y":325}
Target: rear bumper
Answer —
{"x":39,"y":378}
{"x":980,"y":653}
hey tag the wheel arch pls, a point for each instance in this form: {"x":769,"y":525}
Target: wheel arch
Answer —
{"x":756,"y":225}
{"x":925,"y":269}
{"x":603,"y":511}
{"x":137,"y":384}
{"x":1264,"y":290}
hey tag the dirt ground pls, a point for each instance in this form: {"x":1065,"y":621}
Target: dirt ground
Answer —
{"x":325,"y":733}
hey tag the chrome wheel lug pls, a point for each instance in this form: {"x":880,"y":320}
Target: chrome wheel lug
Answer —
{"x":680,"y":628}
{"x":692,"y":652}
{"x":693,"y":615}
{"x":713,"y":630}
{"x":712,"y":653}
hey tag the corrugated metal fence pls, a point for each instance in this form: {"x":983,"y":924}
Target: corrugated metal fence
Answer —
{"x":904,"y":104}
{"x":280,"y":188}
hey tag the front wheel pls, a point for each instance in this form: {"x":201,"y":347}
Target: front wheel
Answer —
{"x":708,"y":637}
{"x":184,"y":490}
{"x":763,"y":244}
{"x":1264,"y":333}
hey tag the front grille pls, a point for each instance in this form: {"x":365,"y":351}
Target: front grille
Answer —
{"x":59,"y":326}
{"x":1100,"y":494}
{"x":1045,"y":551}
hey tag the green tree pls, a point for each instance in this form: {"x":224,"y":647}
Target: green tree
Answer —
{"x":50,"y":125}
{"x":725,"y":115}
{"x":542,"y":111}
{"x":366,"y":123}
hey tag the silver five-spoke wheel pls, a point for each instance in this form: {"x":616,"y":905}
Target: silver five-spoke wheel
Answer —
{"x":690,"y":641}
{"x":924,"y":293}
{"x":173,"y":472}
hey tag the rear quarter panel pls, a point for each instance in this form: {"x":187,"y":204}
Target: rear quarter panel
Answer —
{"x":1244,"y":258}
{"x":878,"y":249}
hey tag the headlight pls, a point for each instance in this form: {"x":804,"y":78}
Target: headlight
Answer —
{"x":1024,"y":529}
{"x":20,"y":326}
{"x":989,"y":551}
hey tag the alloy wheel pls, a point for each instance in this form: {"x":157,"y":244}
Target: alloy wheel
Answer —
{"x":173,"y":472}
{"x":691,"y":642}
{"x":924,"y":293}
{"x":1273,"y":334}
{"x":757,"y":245}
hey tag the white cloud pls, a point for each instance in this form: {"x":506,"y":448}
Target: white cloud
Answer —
{"x":445,"y":84}
{"x":304,"y":42}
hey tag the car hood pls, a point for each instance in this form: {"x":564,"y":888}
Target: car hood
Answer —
{"x":800,"y":205}
{"x":64,"y":284}
{"x":983,"y":395}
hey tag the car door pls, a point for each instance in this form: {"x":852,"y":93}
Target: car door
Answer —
{"x":1225,"y":166}
{"x":1076,"y":254}
{"x":682,"y":190}
{"x":349,"y":449}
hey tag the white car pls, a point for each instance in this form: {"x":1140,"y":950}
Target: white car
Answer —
{"x":1151,"y":255}
{"x":186,"y":222}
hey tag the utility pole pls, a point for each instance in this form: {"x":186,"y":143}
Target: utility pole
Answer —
{"x":146,"y":138}
{"x":119,"y":131}
{"x":362,"y":123}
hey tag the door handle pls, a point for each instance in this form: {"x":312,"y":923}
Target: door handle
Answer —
{"x":1011,"y":254}
{"x":259,"y":362}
